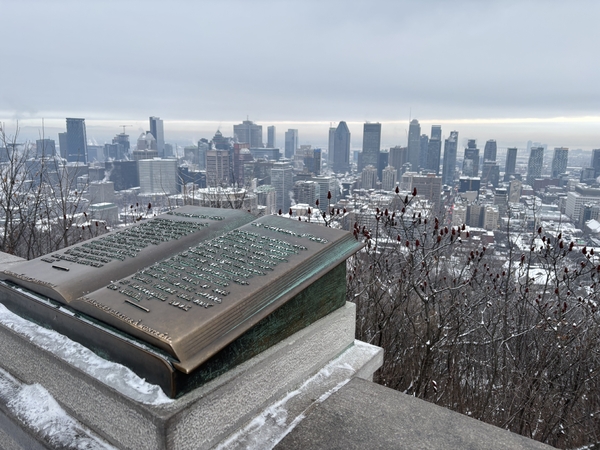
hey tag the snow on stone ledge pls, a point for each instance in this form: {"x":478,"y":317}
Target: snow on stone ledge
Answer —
{"x":112,"y":374}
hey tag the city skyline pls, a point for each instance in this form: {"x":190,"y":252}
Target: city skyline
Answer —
{"x":525,"y":81}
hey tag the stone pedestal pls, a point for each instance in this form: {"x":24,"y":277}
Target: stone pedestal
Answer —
{"x":284,"y":380}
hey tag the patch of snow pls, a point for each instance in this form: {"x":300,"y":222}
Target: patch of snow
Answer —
{"x":112,"y":374}
{"x":37,"y":409}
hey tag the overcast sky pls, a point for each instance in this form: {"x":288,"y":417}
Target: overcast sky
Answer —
{"x":505,"y":70}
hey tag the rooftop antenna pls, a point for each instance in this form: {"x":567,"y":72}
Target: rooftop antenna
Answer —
{"x":124,"y":126}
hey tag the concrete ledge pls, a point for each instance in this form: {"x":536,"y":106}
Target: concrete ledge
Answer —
{"x":201,"y":418}
{"x":366,"y":415}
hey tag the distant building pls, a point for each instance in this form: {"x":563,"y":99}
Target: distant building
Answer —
{"x":580,"y":196}
{"x":471,"y":160}
{"x":398,"y":157}
{"x":489,"y":152}
{"x":490,"y":217}
{"x":535,"y":165}
{"x":511,"y":163}
{"x":156,"y":128}
{"x":218,"y":169}
{"x":271,"y":137}
{"x":291,"y":142}
{"x":469,"y":184}
{"x":282,"y":179}
{"x":490,"y":173}
{"x":330,"y":146}
{"x":449,"y":165}
{"x":414,"y":144}
{"x":388,"y":179}
{"x":596,"y":162}
{"x":369,"y":177}
{"x":514,"y":191}
{"x":434,"y":150}
{"x":341,"y":148}
{"x":559,"y":161}
{"x":371,"y":145}
{"x":158,"y":176}
{"x":250,"y":133}
{"x":326,"y":185}
{"x":428,"y":186}
{"x":45,"y":148}
{"x":76,"y":141}
{"x":424,"y":149}
{"x":307,"y":191}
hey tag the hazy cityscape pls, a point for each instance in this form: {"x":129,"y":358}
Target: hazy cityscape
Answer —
{"x":458,"y":142}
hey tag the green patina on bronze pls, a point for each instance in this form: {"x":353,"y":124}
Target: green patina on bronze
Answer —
{"x":322,"y":297}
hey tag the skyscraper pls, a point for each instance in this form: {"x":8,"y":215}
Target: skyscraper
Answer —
{"x":398,"y":157}
{"x":218,"y":168}
{"x":559,"y":161}
{"x":414,"y":144}
{"x":596,"y":162}
{"x":536,"y":162}
{"x":291,"y":143}
{"x":341,"y":148}
{"x":156,"y":128}
{"x":250,"y":133}
{"x":424,"y":149}
{"x":282,"y":179}
{"x":511,"y":163}
{"x":271,"y":139}
{"x":76,"y":141}
{"x":489,"y":152}
{"x":471,"y":160}
{"x":434,"y":149}
{"x":449,"y":166}
{"x":158,"y":176}
{"x":371,"y":144}
{"x":330,"y":146}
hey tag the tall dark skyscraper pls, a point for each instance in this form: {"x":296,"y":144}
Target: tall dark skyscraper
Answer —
{"x":596,"y":162}
{"x":414,"y":144}
{"x":489,"y":152}
{"x":157,"y":130}
{"x":371,"y":145}
{"x":291,"y":142}
{"x":535,"y":165}
{"x":511,"y":163}
{"x":341,"y":149}
{"x":271,"y":138}
{"x":76,"y":141}
{"x":449,"y":166}
{"x":471,"y":160}
{"x":559,"y":161}
{"x":423,"y":150}
{"x":330,"y":146}
{"x":397,"y":158}
{"x":434,"y":150}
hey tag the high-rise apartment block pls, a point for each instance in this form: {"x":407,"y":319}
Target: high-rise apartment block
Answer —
{"x":371,"y":144}
{"x":559,"y":161}
{"x":414,"y":144}
{"x":282,"y":179}
{"x":535,"y":165}
{"x":511,"y":163}
{"x":271,"y":137}
{"x":369,"y":177}
{"x":218,"y":168}
{"x":330,"y":146}
{"x":388,"y":179}
{"x":341,"y":149}
{"x":158,"y":176}
{"x":449,"y":165}
{"x":424,"y":149}
{"x":76,"y":141}
{"x":250,"y":133}
{"x":157,"y":130}
{"x":291,"y":143}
